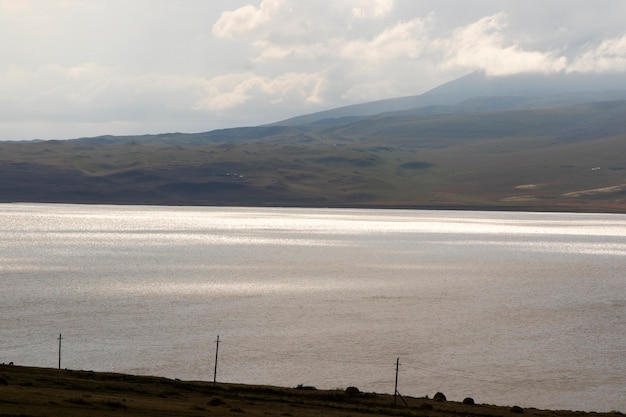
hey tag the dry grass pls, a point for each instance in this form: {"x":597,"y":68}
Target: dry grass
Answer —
{"x":27,"y":391}
{"x":485,"y":161}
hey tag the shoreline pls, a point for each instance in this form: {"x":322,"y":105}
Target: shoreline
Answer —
{"x":435,"y":207}
{"x":34,"y":391}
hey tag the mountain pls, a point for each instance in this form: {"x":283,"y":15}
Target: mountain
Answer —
{"x":514,"y":143}
{"x":514,"y":91}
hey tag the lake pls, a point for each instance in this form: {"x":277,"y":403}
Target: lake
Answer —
{"x":523,"y":309}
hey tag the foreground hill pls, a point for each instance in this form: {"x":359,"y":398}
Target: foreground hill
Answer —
{"x":523,"y":142}
{"x":26,"y":391}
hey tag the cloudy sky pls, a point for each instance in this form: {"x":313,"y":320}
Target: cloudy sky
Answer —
{"x":72,"y":68}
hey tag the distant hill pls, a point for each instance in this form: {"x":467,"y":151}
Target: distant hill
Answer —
{"x":523,"y":90}
{"x":512,"y":143}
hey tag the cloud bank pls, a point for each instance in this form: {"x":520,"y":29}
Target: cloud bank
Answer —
{"x":79,"y":68}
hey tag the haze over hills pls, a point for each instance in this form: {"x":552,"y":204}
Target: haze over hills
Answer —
{"x":525,"y":142}
{"x":521,"y":90}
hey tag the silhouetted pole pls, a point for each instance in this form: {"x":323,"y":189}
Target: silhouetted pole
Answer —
{"x":60,"y":338}
{"x":395,"y":390}
{"x":217,"y":348}
{"x":396,"y":394}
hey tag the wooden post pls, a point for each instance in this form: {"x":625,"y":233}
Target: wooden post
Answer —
{"x":396,"y":394}
{"x":60,"y":338}
{"x":395,"y":390}
{"x":217,"y":347}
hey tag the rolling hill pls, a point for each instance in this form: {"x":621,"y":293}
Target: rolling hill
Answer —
{"x":475,"y":143}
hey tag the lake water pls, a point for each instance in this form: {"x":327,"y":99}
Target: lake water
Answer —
{"x":521,"y":309}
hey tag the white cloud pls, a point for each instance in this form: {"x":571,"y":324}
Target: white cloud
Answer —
{"x":238,"y":22}
{"x":227,"y":92}
{"x":322,"y":37}
{"x":609,"y":56}
{"x":247,"y":20}
{"x":402,"y":40}
{"x":296,"y":52}
{"x":371,"y":8}
{"x":482,"y":45}
{"x":405,"y":39}
{"x":220,"y":63}
{"x":384,"y":63}
{"x":281,"y":24}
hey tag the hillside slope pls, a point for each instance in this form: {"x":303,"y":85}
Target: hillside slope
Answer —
{"x":29,"y":391}
{"x":518,"y":91}
{"x":555,"y":158}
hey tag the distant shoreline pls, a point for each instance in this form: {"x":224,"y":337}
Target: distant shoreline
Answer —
{"x":435,"y":207}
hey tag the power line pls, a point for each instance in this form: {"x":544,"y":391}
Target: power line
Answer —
{"x":410,"y":365}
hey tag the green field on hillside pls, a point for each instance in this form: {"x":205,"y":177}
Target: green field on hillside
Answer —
{"x":569,"y":158}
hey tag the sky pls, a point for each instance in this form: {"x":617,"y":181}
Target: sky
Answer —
{"x":76,"y":68}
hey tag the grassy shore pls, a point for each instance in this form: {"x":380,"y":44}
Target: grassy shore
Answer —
{"x":29,"y":391}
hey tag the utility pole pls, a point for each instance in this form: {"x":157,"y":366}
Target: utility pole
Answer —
{"x":395,"y":390}
{"x":217,"y":347}
{"x":396,"y":394}
{"x":60,"y":338}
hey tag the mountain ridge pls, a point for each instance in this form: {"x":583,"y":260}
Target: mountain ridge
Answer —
{"x":486,"y":152}
{"x":538,"y":90}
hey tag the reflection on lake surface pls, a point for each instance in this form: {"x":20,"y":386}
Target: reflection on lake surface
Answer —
{"x":508,"y":308}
